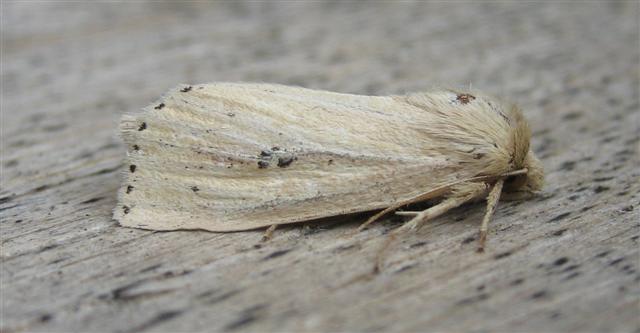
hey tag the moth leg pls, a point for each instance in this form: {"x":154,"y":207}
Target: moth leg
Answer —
{"x":422,"y":197}
{"x":460,"y":194}
{"x":268,"y":234}
{"x":492,"y":203}
{"x":420,"y":218}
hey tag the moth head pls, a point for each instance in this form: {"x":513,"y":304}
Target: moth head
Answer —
{"x":521,"y":156}
{"x":529,"y":182}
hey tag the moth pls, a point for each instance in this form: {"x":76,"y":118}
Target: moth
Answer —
{"x":235,"y":156}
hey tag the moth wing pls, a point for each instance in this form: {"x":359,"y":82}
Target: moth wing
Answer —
{"x":230,"y":157}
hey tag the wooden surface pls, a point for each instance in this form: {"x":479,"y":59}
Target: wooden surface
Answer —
{"x":567,"y":261}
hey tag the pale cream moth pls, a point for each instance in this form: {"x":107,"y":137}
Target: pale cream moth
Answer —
{"x":235,"y":156}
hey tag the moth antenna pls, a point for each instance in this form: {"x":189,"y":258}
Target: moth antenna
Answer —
{"x":268,"y":234}
{"x":492,"y":203}
{"x":522,"y":171}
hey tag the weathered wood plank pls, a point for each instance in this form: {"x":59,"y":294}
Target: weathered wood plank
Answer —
{"x":565,"y":261}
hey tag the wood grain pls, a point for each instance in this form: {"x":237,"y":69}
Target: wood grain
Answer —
{"x":566,"y":261}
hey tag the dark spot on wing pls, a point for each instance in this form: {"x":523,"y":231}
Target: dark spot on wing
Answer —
{"x":126,"y":209}
{"x":159,"y":106}
{"x":465,"y":98}
{"x":129,"y":189}
{"x":132,"y":168}
{"x":142,"y":127}
{"x":186,"y":89}
{"x":263,"y":164}
{"x":195,"y":189}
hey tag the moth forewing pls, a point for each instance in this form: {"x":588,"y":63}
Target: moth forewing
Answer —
{"x":230,"y":157}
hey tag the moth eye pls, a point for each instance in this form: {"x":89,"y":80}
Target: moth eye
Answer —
{"x":513,"y":183}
